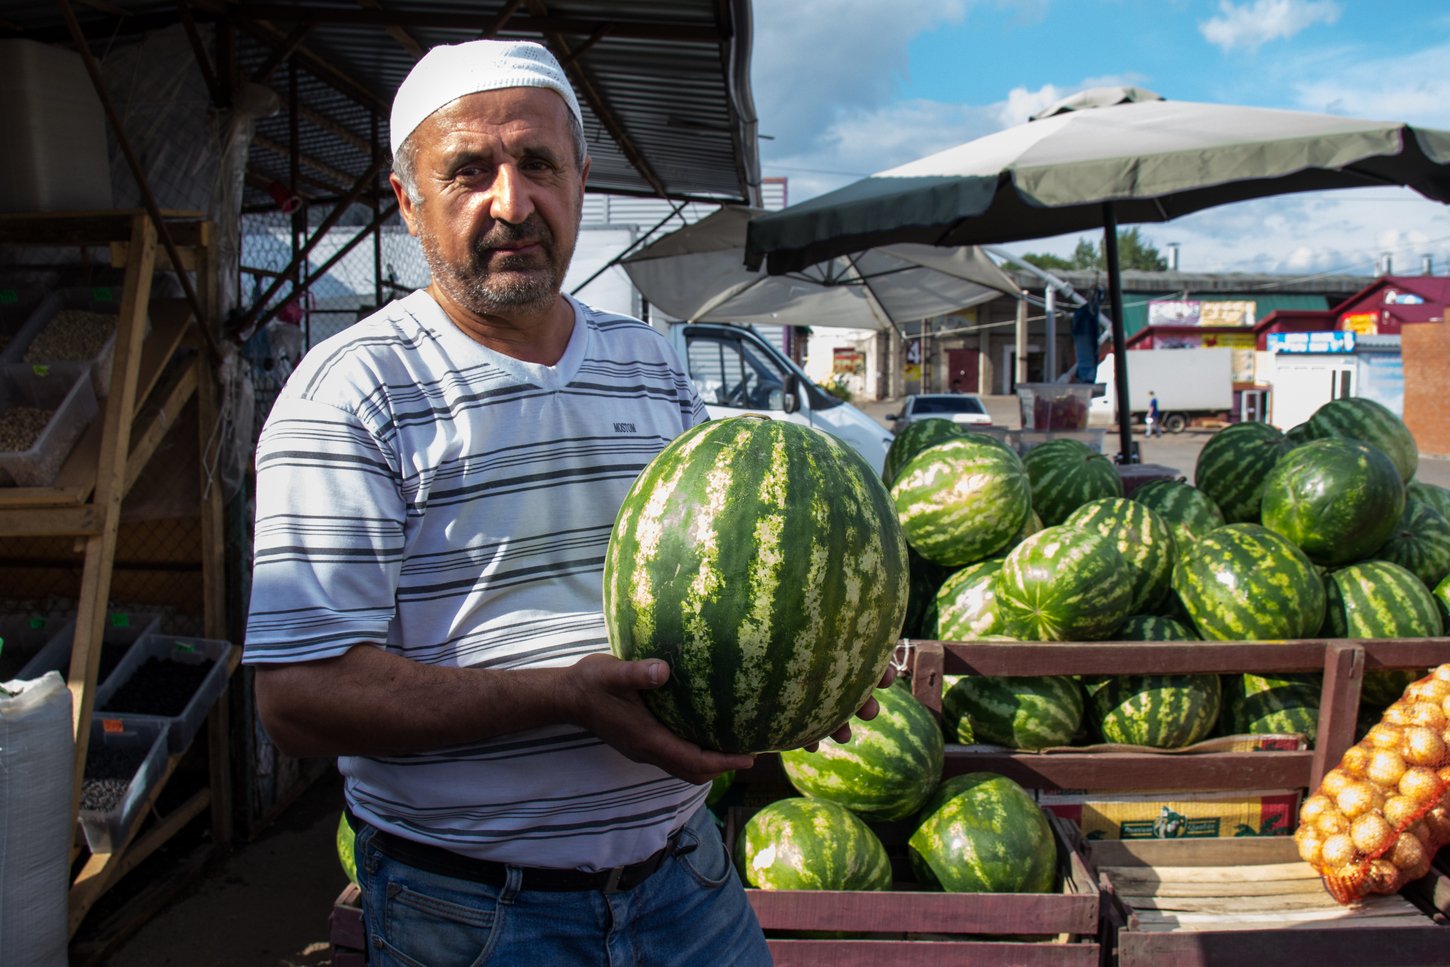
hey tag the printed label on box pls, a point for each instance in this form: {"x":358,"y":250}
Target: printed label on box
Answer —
{"x":1188,"y":817}
{"x":40,"y":370}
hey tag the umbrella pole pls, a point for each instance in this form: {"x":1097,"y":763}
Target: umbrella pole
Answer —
{"x":1120,"y":362}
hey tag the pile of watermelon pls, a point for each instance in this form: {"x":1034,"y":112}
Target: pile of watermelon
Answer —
{"x":1321,"y":532}
{"x":977,"y":833}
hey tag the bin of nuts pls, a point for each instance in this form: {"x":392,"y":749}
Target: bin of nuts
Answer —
{"x":1377,"y":820}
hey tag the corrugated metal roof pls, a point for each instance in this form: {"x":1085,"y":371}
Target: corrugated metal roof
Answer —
{"x":664,"y":84}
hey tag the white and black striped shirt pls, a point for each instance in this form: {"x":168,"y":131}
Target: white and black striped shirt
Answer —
{"x":418,"y":491}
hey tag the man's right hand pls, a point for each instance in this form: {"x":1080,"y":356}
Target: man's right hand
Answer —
{"x":604,"y":697}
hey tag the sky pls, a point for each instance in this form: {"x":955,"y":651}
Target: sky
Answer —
{"x":845,"y":88}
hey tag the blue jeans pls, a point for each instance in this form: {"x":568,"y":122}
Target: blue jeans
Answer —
{"x":692,"y":911}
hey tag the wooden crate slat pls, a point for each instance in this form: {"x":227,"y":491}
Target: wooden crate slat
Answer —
{"x":1297,"y":870}
{"x":1409,"y":921}
{"x":1319,"y":899}
{"x":923,"y":912}
{"x":1283,"y":916}
{"x":930,"y":953}
{"x":1132,"y":770}
{"x":1192,"y":852}
{"x":1120,"y":657}
{"x":1130,"y":891}
{"x":1319,"y":945}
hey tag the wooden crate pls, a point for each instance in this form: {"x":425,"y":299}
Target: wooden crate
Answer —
{"x":1246,"y":902}
{"x":345,"y":930}
{"x":916,"y":928}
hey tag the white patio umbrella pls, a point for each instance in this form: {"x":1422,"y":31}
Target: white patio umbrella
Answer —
{"x":698,"y":274}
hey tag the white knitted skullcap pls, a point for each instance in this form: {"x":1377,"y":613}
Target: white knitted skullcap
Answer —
{"x":447,"y":73}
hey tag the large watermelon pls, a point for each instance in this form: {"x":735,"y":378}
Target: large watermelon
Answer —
{"x":1420,"y":543}
{"x":1271,"y":704}
{"x":1442,"y":598}
{"x":921,"y":612}
{"x":990,"y":837}
{"x":1030,"y":526}
{"x":1160,"y":711}
{"x":1299,"y":434}
{"x":1338,"y":499}
{"x":1063,"y":585}
{"x":1189,"y":512}
{"x":1152,"y":627}
{"x":763,"y":561}
{"x":1243,"y":582}
{"x":346,"y":847}
{"x":1432,"y":495}
{"x":1377,"y":599}
{"x":810,"y":844}
{"x":1370,"y":423}
{"x":966,"y":605}
{"x":917,"y":437}
{"x":885,"y":772}
{"x":1233,"y":466}
{"x":1066,"y":474}
{"x":961,"y":500}
{"x":1142,"y":537}
{"x":1030,"y":712}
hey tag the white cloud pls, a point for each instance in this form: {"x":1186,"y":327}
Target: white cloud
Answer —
{"x":1021,"y":103}
{"x":1252,"y":25}
{"x":1412,"y":87}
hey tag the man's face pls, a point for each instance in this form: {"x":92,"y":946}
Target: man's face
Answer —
{"x":502,"y":198}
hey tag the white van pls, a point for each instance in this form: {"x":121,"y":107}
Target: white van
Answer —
{"x":736,"y":371}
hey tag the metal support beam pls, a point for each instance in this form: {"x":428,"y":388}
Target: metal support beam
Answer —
{"x":537,"y":23}
{"x":317,"y":66}
{"x":405,"y":40}
{"x":337,"y":178}
{"x":1120,"y":363}
{"x":378,"y":152}
{"x":335,"y":128}
{"x":203,"y":61}
{"x":506,"y":14}
{"x":284,"y":50}
{"x":600,"y":32}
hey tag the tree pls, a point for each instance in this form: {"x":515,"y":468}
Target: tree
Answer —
{"x":1134,"y":252}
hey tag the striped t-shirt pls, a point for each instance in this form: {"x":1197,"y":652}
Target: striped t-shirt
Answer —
{"x":418,"y":491}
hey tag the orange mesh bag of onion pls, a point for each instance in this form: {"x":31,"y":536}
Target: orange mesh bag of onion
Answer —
{"x":1376,"y":821}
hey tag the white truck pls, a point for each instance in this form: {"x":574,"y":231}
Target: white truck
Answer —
{"x":1188,"y":383}
{"x":736,"y":371}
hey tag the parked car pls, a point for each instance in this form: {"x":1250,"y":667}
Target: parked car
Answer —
{"x":957,"y":407}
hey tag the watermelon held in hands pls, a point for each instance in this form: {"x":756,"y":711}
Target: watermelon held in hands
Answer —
{"x":1189,"y":512}
{"x":1159,"y":711}
{"x":1336,"y":498}
{"x":962,"y":500}
{"x":967,"y":603}
{"x":1063,"y":585}
{"x":1142,"y":537}
{"x":810,"y":844}
{"x":1370,"y":423}
{"x":1243,"y":582}
{"x":346,"y":848}
{"x":1029,"y":712}
{"x":1272,"y":704}
{"x":888,"y":768}
{"x":1431,"y":495}
{"x":989,"y":837}
{"x":1420,"y":544}
{"x":763,"y":561}
{"x":1234,"y":465}
{"x":1065,"y":474}
{"x":918,"y":436}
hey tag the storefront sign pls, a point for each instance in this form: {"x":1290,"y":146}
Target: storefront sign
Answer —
{"x":1227,"y":314}
{"x":1173,"y":312}
{"x":1194,"y":312}
{"x":850,"y":361}
{"x":1230,"y":340}
{"x":1311,"y":342}
{"x":1360,"y":322}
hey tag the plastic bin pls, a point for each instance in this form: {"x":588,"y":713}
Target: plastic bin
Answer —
{"x":98,"y":299}
{"x":123,"y":629}
{"x":1027,"y":439}
{"x":62,"y":387}
{"x":107,"y":832}
{"x":190,"y":651}
{"x":1054,"y":406}
{"x":16,"y":305}
{"x":24,"y":638}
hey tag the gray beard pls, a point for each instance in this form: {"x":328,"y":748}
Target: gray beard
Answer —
{"x":487,"y":290}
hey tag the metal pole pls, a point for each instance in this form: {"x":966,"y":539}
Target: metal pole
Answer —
{"x":1120,"y":362}
{"x":1049,"y":359}
{"x":378,"y":234}
{"x":1020,"y":370}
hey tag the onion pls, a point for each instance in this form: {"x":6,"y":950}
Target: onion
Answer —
{"x":1371,"y":834}
{"x":1334,"y":782}
{"x":1383,"y":736}
{"x":1422,"y":785}
{"x":1423,"y":747}
{"x":1310,"y":845}
{"x":1437,"y":821}
{"x":1385,"y":768}
{"x":1356,"y":761}
{"x":1338,"y":850}
{"x":1332,"y":821}
{"x":1428,"y":714}
{"x":1313,"y":808}
{"x":1384,"y":877}
{"x":1420,"y":831}
{"x":1398,"y":714}
{"x":1400,"y":810}
{"x":1408,"y":854}
{"x":1429,"y":689}
{"x":1360,"y":798}
{"x":1442,"y":673}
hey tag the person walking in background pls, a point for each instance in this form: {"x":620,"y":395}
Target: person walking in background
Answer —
{"x":1155,"y":427}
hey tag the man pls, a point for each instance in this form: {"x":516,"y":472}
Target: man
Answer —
{"x":435,"y":491}
{"x":1154,"y":428}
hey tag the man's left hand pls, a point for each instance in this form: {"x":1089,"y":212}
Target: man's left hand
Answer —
{"x":865,"y":713}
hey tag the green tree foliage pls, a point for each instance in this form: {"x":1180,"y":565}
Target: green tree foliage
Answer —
{"x":1134,"y":252}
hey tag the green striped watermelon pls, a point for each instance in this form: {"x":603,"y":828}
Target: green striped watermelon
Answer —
{"x":719,"y":786}
{"x":885,"y":772}
{"x":1271,"y":704}
{"x":1159,"y":711}
{"x":1189,"y":512}
{"x":1142,"y":537}
{"x":1420,"y":543}
{"x":1299,"y":434}
{"x":346,"y":848}
{"x":1442,"y":598}
{"x":1031,"y":526}
{"x":962,"y":500}
{"x":810,"y":844}
{"x":926,"y":580}
{"x":1152,"y":627}
{"x":1233,"y":466}
{"x":967,"y":603}
{"x":1066,"y":474}
{"x":1063,"y":585}
{"x":956,"y":727}
{"x":1377,"y":599}
{"x":1338,"y":499}
{"x":1429,"y":494}
{"x":990,"y":837}
{"x":918,"y":436}
{"x":762,"y":560}
{"x":1371,"y":423}
{"x":1031,"y":712}
{"x":1243,"y":582}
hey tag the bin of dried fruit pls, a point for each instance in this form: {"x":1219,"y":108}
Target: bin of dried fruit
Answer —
{"x":71,"y":325}
{"x":43,"y":412}
{"x":1377,"y":819}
